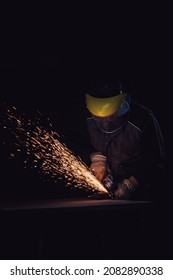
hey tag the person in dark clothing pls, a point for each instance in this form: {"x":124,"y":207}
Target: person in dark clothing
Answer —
{"x":128,"y":154}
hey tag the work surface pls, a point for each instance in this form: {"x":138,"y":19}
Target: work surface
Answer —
{"x":73,"y":204}
{"x":80,"y":228}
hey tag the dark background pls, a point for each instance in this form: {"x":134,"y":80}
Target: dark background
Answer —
{"x":48,"y":57}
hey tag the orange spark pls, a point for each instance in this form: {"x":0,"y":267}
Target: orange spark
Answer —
{"x":46,"y":152}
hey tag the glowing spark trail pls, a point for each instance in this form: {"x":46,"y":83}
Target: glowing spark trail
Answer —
{"x":47,"y":153}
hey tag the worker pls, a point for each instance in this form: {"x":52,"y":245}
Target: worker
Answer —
{"x":128,"y":154}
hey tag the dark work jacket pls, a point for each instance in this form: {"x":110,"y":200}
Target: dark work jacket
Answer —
{"x":135,"y":149}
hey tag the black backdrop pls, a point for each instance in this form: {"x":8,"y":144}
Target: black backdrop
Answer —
{"x":48,"y":56}
{"x":47,"y":61}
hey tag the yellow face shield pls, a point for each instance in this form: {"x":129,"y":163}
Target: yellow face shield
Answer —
{"x":102,"y":107}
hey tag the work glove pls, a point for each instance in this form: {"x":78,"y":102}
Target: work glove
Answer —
{"x":126,"y":188}
{"x":98,"y":165}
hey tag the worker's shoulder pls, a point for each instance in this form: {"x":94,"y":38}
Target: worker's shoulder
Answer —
{"x":140,"y":115}
{"x":140,"y":109}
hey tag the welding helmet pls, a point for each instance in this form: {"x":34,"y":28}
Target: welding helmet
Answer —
{"x":105,"y":99}
{"x":107,"y":104}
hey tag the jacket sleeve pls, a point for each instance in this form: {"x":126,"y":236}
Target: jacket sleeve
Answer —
{"x":151,"y":168}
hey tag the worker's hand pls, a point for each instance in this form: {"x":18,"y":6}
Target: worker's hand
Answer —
{"x":98,"y":165}
{"x":126,"y":188}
